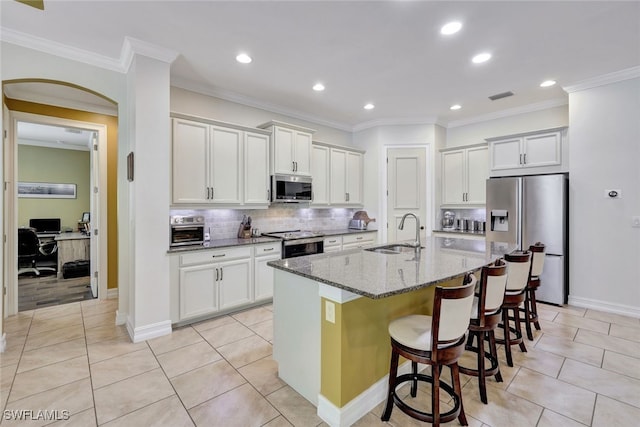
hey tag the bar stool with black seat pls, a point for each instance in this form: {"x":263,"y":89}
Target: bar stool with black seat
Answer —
{"x":530,"y":307}
{"x":485,"y":316}
{"x":436,"y":340}
{"x":518,"y":272}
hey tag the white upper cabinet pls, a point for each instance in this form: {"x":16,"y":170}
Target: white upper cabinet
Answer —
{"x":290,"y":148}
{"x":320,"y":174}
{"x":256,"y":167}
{"x":226,"y":171}
{"x":216,"y":164}
{"x":337,"y":174}
{"x":542,"y":149}
{"x":464,"y":175}
{"x":190,"y":162}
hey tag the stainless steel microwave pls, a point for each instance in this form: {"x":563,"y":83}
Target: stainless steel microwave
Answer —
{"x":291,"y":189}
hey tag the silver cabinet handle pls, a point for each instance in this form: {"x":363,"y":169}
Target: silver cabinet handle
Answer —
{"x":221,"y":274}
{"x":525,"y":158}
{"x":293,"y":166}
{"x":332,"y":241}
{"x":521,"y":159}
{"x":359,"y":238}
{"x":218,"y":256}
{"x":267,"y":250}
{"x":216,"y":274}
{"x":268,"y":195}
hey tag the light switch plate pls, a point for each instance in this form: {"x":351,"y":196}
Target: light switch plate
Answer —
{"x":330,"y":311}
{"x":635,"y":221}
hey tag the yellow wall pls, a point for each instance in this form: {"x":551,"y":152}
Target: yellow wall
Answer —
{"x":356,"y":349}
{"x":112,"y":168}
{"x":54,"y":165}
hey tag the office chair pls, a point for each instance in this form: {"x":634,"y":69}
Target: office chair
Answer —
{"x":29,"y":248}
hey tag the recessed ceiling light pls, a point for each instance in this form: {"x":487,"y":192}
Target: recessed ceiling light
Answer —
{"x":243,"y":58}
{"x":318,"y":87}
{"x":369,"y":107}
{"x":547,"y":83}
{"x":455,"y":107}
{"x":450,"y":28}
{"x":481,"y":57}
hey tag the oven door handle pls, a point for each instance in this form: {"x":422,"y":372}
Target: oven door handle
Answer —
{"x":303,"y":241}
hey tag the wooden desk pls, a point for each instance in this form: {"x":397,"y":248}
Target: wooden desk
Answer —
{"x":72,"y":247}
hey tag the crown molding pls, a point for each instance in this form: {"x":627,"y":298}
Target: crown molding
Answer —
{"x":400,"y":121}
{"x":54,"y":48}
{"x":605,"y":79}
{"x":133,"y":46}
{"x":252,"y":102}
{"x":538,"y":106}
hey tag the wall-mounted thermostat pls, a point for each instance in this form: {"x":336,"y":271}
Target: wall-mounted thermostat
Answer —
{"x":613,"y":194}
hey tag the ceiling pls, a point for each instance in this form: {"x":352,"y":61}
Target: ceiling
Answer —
{"x":53,"y":136}
{"x":389,"y":53}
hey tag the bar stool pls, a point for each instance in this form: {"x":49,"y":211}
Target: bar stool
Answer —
{"x":530,"y":308}
{"x":436,"y":340}
{"x":485,"y":316}
{"x":518,"y":273}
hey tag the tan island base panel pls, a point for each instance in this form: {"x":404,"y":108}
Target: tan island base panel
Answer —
{"x":356,"y":350}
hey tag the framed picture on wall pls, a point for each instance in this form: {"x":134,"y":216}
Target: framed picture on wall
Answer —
{"x":46,"y":190}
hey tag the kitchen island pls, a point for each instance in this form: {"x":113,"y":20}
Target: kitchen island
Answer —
{"x":331,"y":313}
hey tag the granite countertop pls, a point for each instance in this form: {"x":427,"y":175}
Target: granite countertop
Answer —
{"x":456,"y":231}
{"x":224,"y":243}
{"x":377,"y":275}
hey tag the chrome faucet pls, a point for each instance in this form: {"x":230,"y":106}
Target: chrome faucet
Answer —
{"x":416,"y":244}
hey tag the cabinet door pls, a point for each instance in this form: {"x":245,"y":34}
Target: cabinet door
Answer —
{"x":453,"y":185}
{"x":190,"y":164}
{"x":302,"y":153}
{"x":226,"y":170}
{"x":542,"y":150}
{"x":264,"y":277}
{"x":198,"y":290}
{"x":338,"y":177}
{"x":256,"y":166}
{"x":283,"y":147}
{"x":354,"y":178}
{"x":506,"y":154}
{"x":235,"y":283}
{"x":320,"y":174}
{"x":477,"y":174}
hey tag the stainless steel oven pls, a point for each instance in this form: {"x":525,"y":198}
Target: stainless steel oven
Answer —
{"x":299,"y":243}
{"x":186,"y":230}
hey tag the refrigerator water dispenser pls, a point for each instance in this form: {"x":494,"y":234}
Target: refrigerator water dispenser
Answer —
{"x":499,"y":220}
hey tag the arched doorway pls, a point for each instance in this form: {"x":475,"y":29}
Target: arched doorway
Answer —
{"x":62,"y":104}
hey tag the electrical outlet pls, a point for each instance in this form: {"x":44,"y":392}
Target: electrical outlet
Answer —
{"x":330,"y":311}
{"x":635,"y":221}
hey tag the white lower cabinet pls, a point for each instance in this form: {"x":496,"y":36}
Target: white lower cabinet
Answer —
{"x":358,"y":240}
{"x":212,"y":280}
{"x":263,"y":274}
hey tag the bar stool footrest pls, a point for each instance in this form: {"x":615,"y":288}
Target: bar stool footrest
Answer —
{"x":425,"y":416}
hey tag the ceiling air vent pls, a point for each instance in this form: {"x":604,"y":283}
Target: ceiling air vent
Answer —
{"x":501,"y":95}
{"x":73,"y":130}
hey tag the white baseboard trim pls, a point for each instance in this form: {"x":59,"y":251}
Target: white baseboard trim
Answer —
{"x":112,"y":293}
{"x":3,"y":342}
{"x":625,"y":310}
{"x":148,"y":332}
{"x":121,"y":318}
{"x":360,"y":405}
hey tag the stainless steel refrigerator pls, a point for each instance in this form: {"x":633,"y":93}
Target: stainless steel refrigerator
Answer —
{"x":530,"y":209}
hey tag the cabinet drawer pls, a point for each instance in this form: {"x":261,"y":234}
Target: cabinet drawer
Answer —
{"x":332,"y":241}
{"x":270,"y":249}
{"x":358,"y":238}
{"x":203,"y":257}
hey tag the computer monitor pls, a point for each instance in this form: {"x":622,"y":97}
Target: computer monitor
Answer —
{"x":45,"y":225}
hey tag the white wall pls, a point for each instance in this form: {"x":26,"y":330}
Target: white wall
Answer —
{"x":476,"y":133}
{"x":604,"y":126}
{"x":187,"y":102}
{"x":374,"y":141}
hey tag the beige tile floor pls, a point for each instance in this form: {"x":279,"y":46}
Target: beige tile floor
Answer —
{"x":582,"y":369}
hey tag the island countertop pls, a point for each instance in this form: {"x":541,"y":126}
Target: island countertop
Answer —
{"x":379,"y":275}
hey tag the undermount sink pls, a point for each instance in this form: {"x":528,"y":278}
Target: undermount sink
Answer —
{"x":393,"y":249}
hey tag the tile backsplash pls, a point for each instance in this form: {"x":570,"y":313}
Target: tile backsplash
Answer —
{"x":223,"y":223}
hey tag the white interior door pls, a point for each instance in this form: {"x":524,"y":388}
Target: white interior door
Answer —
{"x":406,"y":192}
{"x":95,"y":216}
